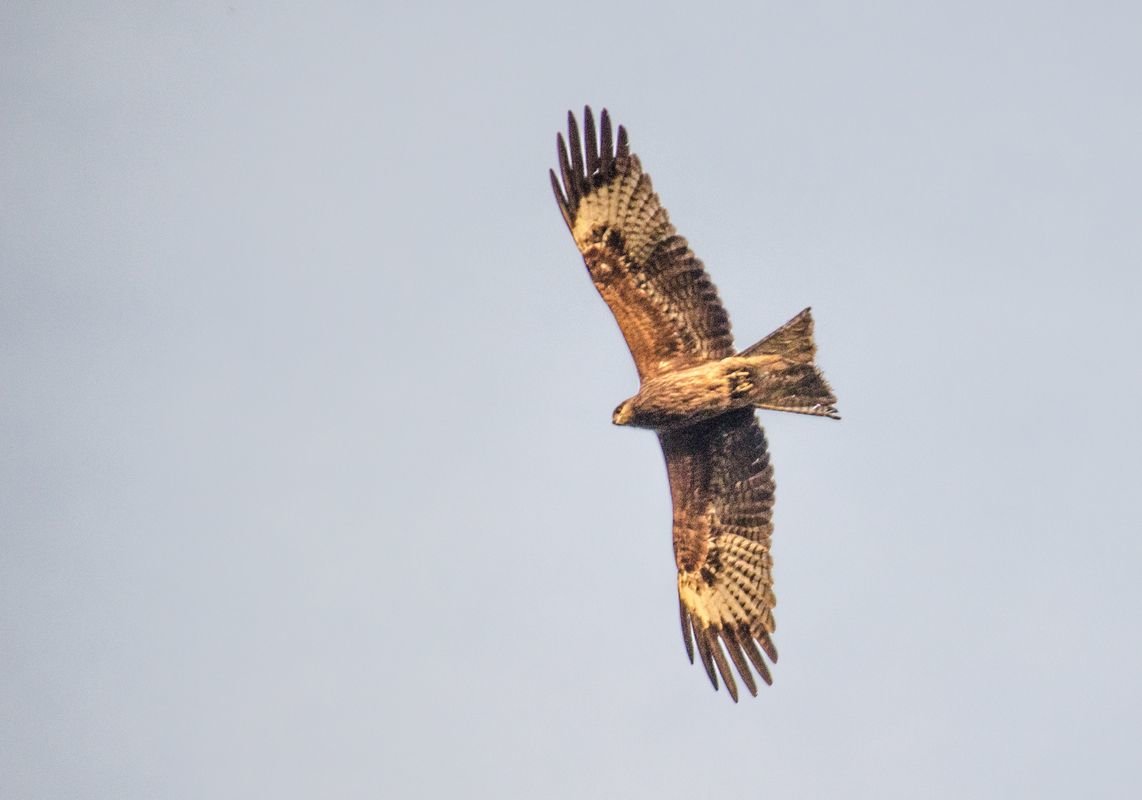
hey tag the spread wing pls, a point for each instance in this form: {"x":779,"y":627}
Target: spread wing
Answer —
{"x":721,"y":483}
{"x":662,"y":298}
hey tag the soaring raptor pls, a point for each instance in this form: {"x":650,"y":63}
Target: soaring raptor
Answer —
{"x":696,"y":392}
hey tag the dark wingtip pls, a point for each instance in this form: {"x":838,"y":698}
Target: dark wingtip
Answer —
{"x":723,"y":665}
{"x":755,"y":657}
{"x":767,"y":646}
{"x":588,"y":160}
{"x":591,"y":141}
{"x":733,"y":647}
{"x":606,"y":145}
{"x":687,"y":636}
{"x":576,"y":152}
{"x":560,"y":200}
{"x":569,"y":183}
{"x":707,"y":660}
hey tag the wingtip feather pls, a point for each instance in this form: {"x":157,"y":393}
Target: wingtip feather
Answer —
{"x":687,"y":636}
{"x":576,"y":152}
{"x":560,"y":200}
{"x":588,"y":158}
{"x":733,"y":647}
{"x":592,"y":142}
{"x":723,"y":666}
{"x":607,"y":145}
{"x":707,"y":660}
{"x":755,"y":658}
{"x":569,"y":183}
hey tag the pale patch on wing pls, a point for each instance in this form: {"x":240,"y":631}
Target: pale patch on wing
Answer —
{"x":741,"y":593}
{"x":627,"y":205}
{"x":658,"y":290}
{"x":722,"y":485}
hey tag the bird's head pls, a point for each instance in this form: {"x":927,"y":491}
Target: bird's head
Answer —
{"x":623,"y":413}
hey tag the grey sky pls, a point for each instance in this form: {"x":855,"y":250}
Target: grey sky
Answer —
{"x":308,"y":486}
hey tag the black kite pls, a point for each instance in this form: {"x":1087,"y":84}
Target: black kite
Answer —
{"x":696,"y":393}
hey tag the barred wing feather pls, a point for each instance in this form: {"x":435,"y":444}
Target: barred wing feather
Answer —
{"x":664,"y":302}
{"x":721,"y":484}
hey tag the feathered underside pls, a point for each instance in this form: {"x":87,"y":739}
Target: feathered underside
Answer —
{"x":721,"y":484}
{"x":661,"y":297}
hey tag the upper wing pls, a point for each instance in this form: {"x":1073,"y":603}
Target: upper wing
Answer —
{"x":721,"y":483}
{"x":665,"y":304}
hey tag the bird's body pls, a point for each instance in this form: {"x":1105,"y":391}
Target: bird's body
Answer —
{"x":696,"y":392}
{"x":779,"y":379}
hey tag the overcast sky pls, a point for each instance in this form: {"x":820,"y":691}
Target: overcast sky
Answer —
{"x":308,"y":486}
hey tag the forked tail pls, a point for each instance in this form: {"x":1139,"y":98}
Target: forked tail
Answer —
{"x":784,"y":376}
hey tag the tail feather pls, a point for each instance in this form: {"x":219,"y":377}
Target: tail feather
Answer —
{"x":792,"y":341}
{"x":785,"y":377}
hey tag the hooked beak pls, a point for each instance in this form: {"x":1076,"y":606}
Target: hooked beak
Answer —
{"x":623,"y":414}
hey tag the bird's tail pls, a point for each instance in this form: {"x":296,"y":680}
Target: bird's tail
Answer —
{"x":783,"y":376}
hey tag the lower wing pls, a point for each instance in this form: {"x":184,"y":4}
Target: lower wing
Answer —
{"x":721,"y":484}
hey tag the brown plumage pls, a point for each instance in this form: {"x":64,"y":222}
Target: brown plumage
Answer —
{"x":696,"y":393}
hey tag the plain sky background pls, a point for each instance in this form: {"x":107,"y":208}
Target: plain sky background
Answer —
{"x":308,"y":486}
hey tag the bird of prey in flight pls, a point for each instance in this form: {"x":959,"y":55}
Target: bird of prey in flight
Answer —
{"x":696,"y":392}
